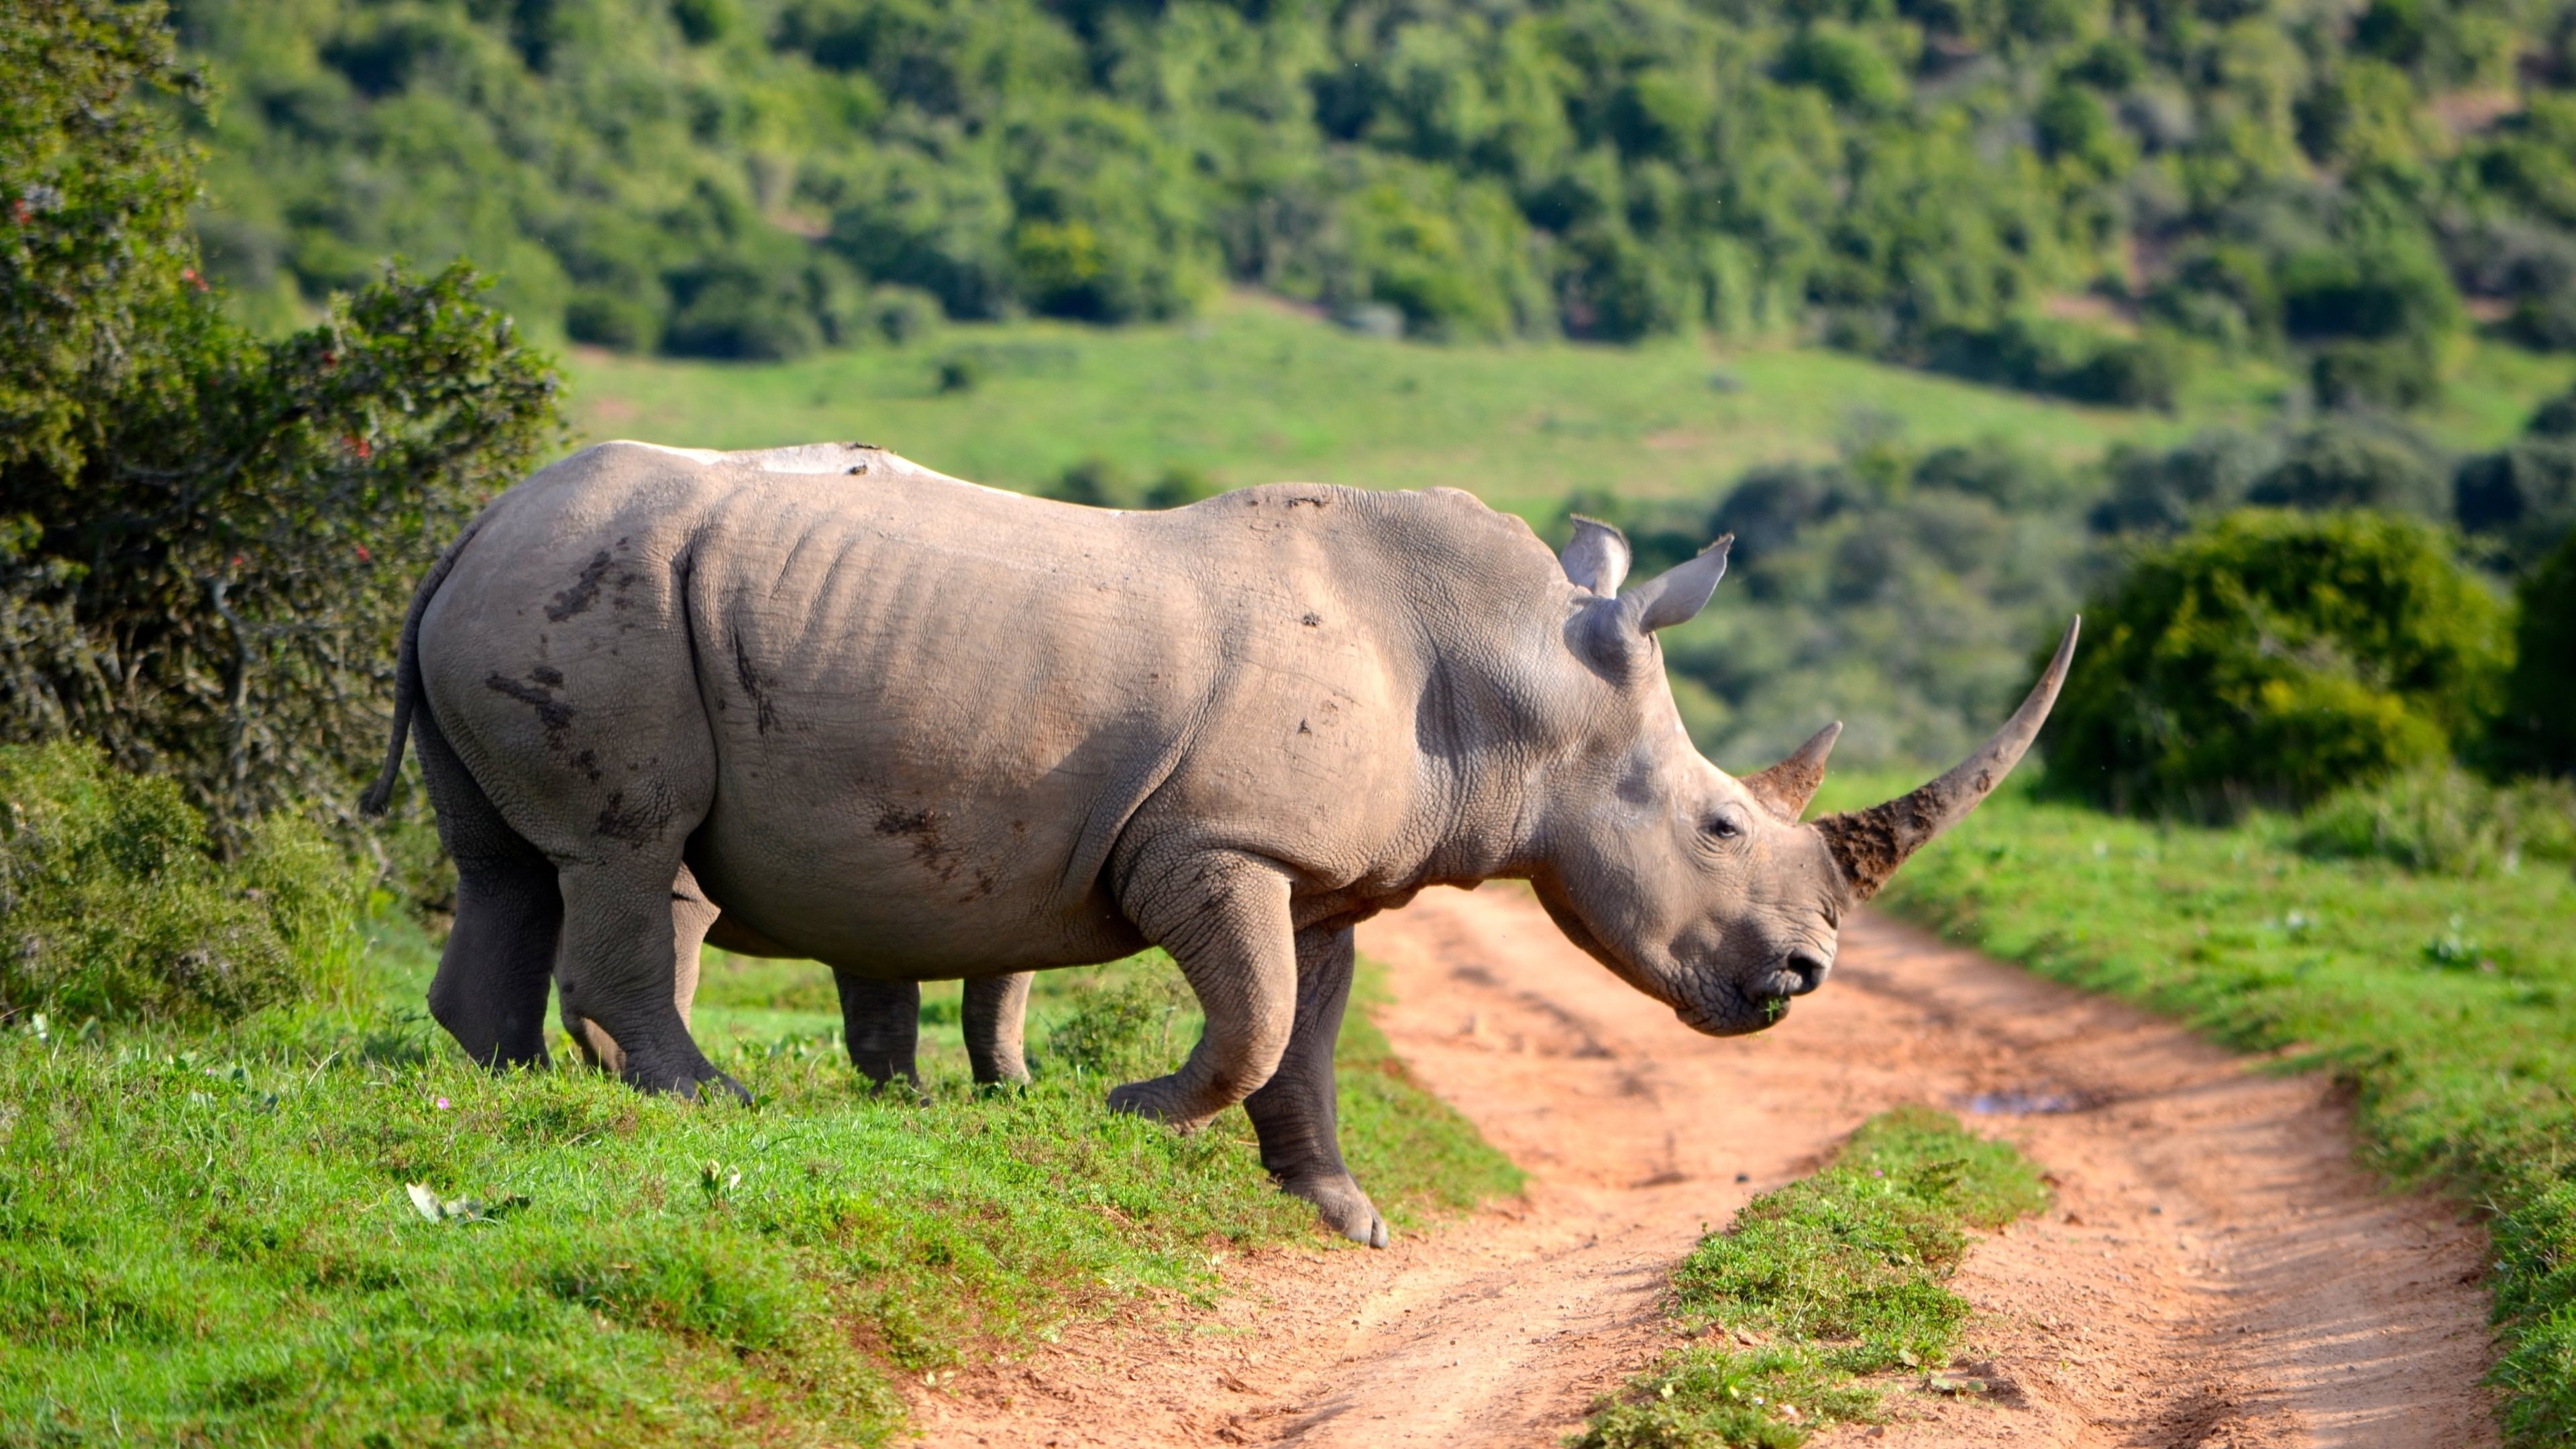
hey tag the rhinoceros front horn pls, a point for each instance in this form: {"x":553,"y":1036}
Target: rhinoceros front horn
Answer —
{"x":1868,"y":845}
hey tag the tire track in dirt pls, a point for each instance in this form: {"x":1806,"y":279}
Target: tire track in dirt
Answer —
{"x":2216,"y":1272}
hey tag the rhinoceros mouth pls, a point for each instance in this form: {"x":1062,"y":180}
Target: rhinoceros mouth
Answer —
{"x":1733,"y":1011}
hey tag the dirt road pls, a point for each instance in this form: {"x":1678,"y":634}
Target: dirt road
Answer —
{"x":2215,"y":1271}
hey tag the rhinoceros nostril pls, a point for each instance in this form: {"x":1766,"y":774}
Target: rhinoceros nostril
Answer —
{"x":1806,"y":972}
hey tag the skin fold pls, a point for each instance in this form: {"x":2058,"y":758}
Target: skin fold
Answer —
{"x":824,"y":703}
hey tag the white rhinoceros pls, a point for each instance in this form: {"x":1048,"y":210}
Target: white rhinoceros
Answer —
{"x":920,"y":729}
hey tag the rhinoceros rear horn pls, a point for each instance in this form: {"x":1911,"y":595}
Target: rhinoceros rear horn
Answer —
{"x":1868,"y":845}
{"x":1785,"y":788}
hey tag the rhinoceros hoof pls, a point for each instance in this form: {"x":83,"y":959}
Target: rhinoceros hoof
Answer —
{"x":1158,"y":1100}
{"x":701,"y":1083}
{"x":718,"y":1088}
{"x":1343,"y":1207}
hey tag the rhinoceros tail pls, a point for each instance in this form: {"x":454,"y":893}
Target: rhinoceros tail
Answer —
{"x":407,"y":674}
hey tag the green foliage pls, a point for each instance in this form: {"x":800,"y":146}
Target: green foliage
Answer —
{"x":2446,"y":821}
{"x":2537,"y":726}
{"x":215,"y":1237}
{"x":731,"y":178}
{"x":118,"y":910}
{"x":2443,"y":999}
{"x":1836,"y":1275}
{"x":207,"y":540}
{"x":2272,"y":657}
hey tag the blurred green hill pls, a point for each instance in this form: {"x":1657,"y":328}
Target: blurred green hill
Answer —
{"x":2076,"y":197}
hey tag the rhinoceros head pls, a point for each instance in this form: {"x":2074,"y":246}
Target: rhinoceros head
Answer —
{"x":1702,"y":889}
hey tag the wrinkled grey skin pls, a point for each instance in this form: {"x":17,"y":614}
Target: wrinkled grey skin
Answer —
{"x":918,"y":729}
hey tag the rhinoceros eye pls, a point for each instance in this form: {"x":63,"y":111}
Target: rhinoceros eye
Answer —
{"x":1723,"y":827}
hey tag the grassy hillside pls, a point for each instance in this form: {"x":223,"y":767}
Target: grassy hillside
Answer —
{"x":2448,"y":1000}
{"x":320,"y":1227}
{"x":1256,"y":393}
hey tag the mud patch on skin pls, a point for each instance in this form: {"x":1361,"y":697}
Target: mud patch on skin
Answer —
{"x":934,"y":854}
{"x":553,"y":715}
{"x":584,"y":591}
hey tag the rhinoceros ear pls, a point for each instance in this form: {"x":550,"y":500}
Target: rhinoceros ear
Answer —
{"x":1597,"y":558}
{"x":1677,"y":594}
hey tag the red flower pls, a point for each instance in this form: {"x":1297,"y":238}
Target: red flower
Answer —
{"x":364,"y":556}
{"x":25,"y":213}
{"x":190,"y":273}
{"x":358,"y":445}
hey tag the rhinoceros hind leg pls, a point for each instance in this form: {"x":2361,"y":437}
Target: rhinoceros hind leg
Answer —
{"x":490,"y":991}
{"x":881,"y":1022}
{"x":996,"y":1018}
{"x":1225,"y":919}
{"x":1296,"y":1114}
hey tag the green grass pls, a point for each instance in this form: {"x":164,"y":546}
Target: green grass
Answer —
{"x":2447,"y":1001}
{"x":1820,"y":1284}
{"x":1253,"y":393}
{"x":211,"y":1237}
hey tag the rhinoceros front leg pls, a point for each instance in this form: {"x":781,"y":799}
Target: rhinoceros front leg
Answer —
{"x":995,"y":1018}
{"x":881,"y":1022}
{"x":1296,"y":1113}
{"x":1225,"y":919}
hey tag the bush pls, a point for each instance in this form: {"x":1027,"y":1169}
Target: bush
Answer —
{"x":2271,"y":658}
{"x":2359,"y":375}
{"x":2059,"y":359}
{"x":2165,"y":491}
{"x":1126,"y":1030}
{"x":2446,"y":822}
{"x":207,"y":541}
{"x":2521,"y":499}
{"x":2348,"y":466}
{"x":118,"y":909}
{"x":2537,"y":726}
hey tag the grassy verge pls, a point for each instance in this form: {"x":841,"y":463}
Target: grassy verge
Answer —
{"x":2448,"y":1001}
{"x":1817,"y":1285}
{"x":214,"y":1238}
